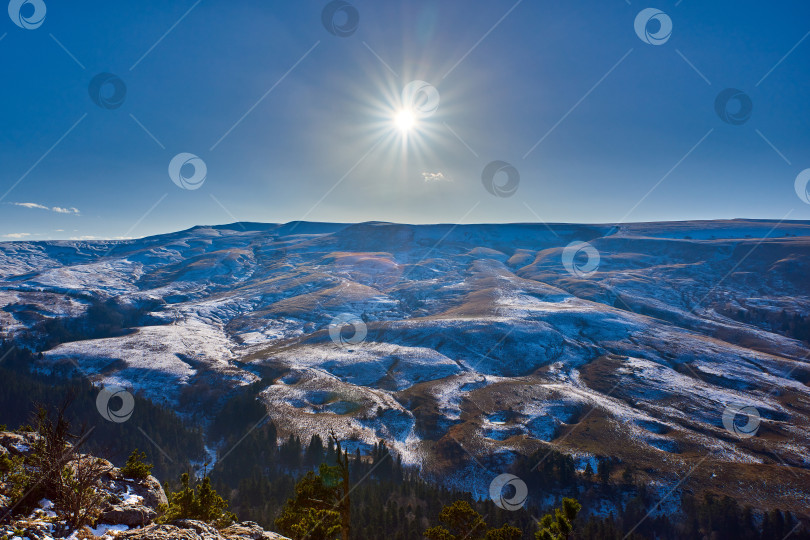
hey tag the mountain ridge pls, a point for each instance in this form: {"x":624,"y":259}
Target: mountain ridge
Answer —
{"x":258,"y":226}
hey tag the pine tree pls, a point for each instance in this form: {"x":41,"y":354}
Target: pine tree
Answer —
{"x":460,"y":521}
{"x":315,"y":450}
{"x":558,"y":526}
{"x":202,"y":503}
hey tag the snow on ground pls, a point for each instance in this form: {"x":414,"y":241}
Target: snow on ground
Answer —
{"x":46,"y":507}
{"x":114,"y":278}
{"x":151,"y":358}
{"x":373,"y":364}
{"x":107,"y":531}
{"x":672,"y":382}
{"x":314,"y":401}
{"x":131,"y":498}
{"x":450,"y":391}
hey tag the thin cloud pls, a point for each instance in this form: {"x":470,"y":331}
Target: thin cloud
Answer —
{"x":17,"y":235}
{"x":436,"y":177}
{"x":30,"y":205}
{"x":71,"y":210}
{"x":58,"y":209}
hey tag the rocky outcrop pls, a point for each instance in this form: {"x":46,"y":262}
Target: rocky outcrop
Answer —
{"x":131,"y":515}
{"x":132,"y":506}
{"x":189,"y":529}
{"x":133,"y":503}
{"x":16,"y":444}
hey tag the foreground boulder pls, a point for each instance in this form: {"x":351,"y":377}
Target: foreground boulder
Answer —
{"x":131,"y":515}
{"x":133,"y":503}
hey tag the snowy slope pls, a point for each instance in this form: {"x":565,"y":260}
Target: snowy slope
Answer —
{"x":476,"y":334}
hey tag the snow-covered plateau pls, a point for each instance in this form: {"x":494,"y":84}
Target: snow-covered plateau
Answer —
{"x":473,"y":336}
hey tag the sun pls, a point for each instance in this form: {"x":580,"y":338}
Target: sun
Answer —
{"x":404,"y":120}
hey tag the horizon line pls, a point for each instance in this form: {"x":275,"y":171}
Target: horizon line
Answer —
{"x":548,"y":225}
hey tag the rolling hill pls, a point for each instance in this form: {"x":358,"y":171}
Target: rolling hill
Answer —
{"x":461,"y":345}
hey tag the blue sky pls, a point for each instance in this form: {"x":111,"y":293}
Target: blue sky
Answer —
{"x":293,"y":122}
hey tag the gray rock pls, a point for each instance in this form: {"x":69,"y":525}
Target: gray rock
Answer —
{"x":249,"y":530}
{"x":162,"y":532}
{"x":189,"y":529}
{"x":132,"y":515}
{"x":200,"y":527}
{"x":150,"y":489}
{"x":17,"y":443}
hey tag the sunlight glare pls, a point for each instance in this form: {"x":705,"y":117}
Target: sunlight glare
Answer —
{"x":405,"y":120}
